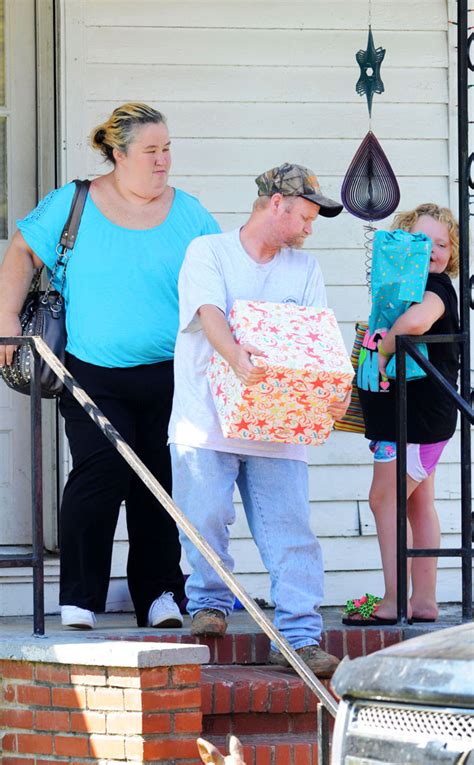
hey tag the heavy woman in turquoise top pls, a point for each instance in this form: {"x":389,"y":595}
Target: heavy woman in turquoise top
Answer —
{"x":122,"y":319}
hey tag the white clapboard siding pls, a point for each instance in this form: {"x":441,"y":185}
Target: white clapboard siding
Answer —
{"x":271,"y":14}
{"x":246,"y":85}
{"x":449,"y":511}
{"x":225,"y":157}
{"x":275,"y":48}
{"x":248,"y":120}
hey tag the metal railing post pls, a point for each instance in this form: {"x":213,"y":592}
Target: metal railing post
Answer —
{"x":401,"y":433}
{"x":37,"y":494}
{"x":35,"y":559}
{"x":324,"y":723}
{"x":464,"y":291}
{"x":406,"y":344}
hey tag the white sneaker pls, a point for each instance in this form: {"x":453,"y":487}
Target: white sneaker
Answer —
{"x":164,"y":612}
{"x":81,"y":618}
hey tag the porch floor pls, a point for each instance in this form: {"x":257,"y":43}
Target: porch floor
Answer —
{"x":122,"y":625}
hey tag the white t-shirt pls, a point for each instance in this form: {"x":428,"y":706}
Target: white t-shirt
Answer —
{"x":217,"y":271}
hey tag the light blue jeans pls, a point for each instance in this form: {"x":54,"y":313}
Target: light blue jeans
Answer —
{"x":275,"y":497}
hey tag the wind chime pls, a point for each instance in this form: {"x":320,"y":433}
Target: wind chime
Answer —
{"x":370,"y":190}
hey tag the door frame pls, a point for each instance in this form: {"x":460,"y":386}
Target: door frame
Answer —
{"x":46,"y":14}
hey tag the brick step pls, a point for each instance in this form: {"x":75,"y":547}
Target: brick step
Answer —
{"x":286,"y":749}
{"x":233,"y":648}
{"x":252,"y":647}
{"x":242,"y":699}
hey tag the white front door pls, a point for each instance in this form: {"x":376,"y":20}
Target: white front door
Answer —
{"x":18,"y":195}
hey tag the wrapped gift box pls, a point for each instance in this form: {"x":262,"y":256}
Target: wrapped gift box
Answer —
{"x":308,"y":369}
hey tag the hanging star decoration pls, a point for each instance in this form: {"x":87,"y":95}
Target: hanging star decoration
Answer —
{"x":370,"y":61}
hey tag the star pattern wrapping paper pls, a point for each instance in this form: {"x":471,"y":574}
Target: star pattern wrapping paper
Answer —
{"x":308,"y":369}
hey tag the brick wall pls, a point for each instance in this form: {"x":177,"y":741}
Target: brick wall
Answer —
{"x":52,"y":713}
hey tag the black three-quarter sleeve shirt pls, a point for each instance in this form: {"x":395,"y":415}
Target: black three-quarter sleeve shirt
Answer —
{"x":431,"y":415}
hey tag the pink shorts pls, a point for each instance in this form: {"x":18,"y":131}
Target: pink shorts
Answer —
{"x":421,"y":458}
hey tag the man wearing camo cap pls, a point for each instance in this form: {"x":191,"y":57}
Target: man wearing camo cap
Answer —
{"x":296,"y":181}
{"x":260,"y":261}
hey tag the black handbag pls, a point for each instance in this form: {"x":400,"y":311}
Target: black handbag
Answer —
{"x":43,"y":312}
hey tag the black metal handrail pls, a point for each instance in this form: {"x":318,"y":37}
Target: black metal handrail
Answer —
{"x":327,"y":705}
{"x":407,"y":344}
{"x":464,"y":64}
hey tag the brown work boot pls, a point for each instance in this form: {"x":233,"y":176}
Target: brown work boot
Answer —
{"x":321,"y":663}
{"x":209,"y":622}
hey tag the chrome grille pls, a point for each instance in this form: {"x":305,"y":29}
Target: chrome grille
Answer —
{"x":412,"y":722}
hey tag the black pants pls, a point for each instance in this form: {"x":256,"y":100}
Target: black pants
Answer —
{"x":137,"y":401}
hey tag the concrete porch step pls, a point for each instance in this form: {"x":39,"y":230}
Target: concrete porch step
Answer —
{"x":268,"y":707}
{"x":251,"y":700}
{"x":278,"y":749}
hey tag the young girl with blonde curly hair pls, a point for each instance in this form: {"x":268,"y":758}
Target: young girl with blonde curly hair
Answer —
{"x":431,"y":422}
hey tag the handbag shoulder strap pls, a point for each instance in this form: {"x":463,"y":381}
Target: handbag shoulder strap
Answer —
{"x":69,"y":235}
{"x":71,"y":227}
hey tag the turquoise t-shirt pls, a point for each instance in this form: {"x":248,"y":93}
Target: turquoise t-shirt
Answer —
{"x":121,"y":290}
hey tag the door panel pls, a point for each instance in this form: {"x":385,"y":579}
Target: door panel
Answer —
{"x":17,"y":196}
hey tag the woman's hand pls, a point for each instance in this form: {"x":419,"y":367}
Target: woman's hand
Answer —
{"x":248,"y":373}
{"x":338,"y":409}
{"x":9,"y":327}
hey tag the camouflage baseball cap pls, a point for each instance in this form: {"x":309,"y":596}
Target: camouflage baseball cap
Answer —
{"x":296,"y":181}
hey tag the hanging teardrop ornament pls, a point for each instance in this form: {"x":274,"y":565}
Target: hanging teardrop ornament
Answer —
{"x":370,"y":190}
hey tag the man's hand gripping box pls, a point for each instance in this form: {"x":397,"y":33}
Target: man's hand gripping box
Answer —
{"x":308,"y":369}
